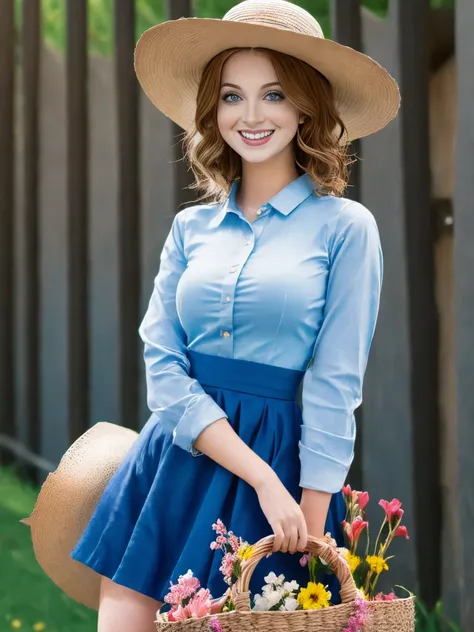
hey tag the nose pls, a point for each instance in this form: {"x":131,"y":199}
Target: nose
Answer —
{"x":253,"y":112}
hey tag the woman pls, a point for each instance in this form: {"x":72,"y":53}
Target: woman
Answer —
{"x":273,"y":281}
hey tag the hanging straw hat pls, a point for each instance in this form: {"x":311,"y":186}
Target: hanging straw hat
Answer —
{"x":170,"y":59}
{"x":66,"y":502}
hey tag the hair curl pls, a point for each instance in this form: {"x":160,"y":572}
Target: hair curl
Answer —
{"x":318,"y":148}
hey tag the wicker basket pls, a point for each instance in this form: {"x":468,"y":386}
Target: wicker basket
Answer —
{"x":383,"y":616}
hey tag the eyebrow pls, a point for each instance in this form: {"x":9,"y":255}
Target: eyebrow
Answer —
{"x":265,"y":85}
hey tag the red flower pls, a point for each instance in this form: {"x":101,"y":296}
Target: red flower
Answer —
{"x":381,"y":597}
{"x":357,"y":527}
{"x":401,"y":531}
{"x":363,"y":499}
{"x":347,"y":491}
{"x":392,"y":509}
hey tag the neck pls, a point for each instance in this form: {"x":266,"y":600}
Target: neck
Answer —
{"x":261,"y":182}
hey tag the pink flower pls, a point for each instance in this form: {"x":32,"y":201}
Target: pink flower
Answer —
{"x":358,"y":619}
{"x":381,"y":597}
{"x":215,"y":625}
{"x":363,"y":499}
{"x":187,"y":585}
{"x":347,"y":491}
{"x":200,"y":604}
{"x":227,"y":566}
{"x":234,"y":542}
{"x":354,"y":530}
{"x":304,"y":559}
{"x":401,"y":531}
{"x":392,"y":509}
{"x":219,"y":527}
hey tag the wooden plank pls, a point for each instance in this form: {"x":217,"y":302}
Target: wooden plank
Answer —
{"x":183,"y":177}
{"x":77,"y":197}
{"x":347,"y":29}
{"x":464,"y":303}
{"x":7,"y":43}
{"x":410,"y":22}
{"x":129,"y":212}
{"x":28,"y":318}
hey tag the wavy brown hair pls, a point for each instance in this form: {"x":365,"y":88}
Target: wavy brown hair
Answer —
{"x":318,"y":148}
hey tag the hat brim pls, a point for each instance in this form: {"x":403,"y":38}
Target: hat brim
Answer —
{"x":170,"y":58}
{"x":65,"y":505}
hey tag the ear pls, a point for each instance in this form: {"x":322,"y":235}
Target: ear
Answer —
{"x":302,"y":119}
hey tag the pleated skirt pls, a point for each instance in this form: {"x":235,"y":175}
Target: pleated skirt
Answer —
{"x":154,"y":520}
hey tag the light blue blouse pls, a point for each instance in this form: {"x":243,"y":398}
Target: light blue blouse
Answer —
{"x":298,"y":288}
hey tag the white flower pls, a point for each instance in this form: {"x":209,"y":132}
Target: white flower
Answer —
{"x":291,"y":586}
{"x":274,"y":597}
{"x":290,"y":604}
{"x":261,"y":604}
{"x":271,"y":578}
{"x":188,"y":575}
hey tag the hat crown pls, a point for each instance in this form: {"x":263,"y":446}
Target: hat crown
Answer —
{"x":277,"y":14}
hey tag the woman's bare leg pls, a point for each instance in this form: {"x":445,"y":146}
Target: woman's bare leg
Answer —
{"x":124,"y":610}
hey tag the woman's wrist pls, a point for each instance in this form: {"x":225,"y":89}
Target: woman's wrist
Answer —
{"x":315,"y":506}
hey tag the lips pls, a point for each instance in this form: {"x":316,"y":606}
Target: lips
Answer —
{"x":256,"y":138}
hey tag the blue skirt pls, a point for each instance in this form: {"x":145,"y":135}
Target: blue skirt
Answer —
{"x":154,"y":519}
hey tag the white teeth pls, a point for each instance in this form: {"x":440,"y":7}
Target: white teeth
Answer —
{"x":256,"y":136}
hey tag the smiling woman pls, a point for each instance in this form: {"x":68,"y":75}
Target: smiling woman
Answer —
{"x":267,"y":106}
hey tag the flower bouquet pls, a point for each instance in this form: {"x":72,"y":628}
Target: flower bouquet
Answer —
{"x":285,"y":605}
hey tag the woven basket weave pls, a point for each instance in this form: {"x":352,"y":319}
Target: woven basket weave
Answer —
{"x":383,"y":616}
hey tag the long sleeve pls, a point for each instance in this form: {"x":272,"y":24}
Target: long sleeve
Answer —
{"x":332,"y":385}
{"x":180,"y":402}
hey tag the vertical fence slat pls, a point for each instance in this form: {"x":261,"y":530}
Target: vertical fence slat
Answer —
{"x":7,"y":42}
{"x":77,"y":195}
{"x":411,"y":20}
{"x":464,"y":303}
{"x":29,"y":316}
{"x":182,"y":177}
{"x":129,"y":213}
{"x":347,"y":29}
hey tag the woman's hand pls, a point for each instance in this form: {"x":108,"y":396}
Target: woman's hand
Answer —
{"x":284,"y":515}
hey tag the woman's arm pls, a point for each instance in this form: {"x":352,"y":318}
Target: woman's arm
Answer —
{"x":332,"y":386}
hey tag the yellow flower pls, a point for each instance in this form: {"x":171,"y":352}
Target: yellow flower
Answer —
{"x":39,"y":627}
{"x":246,"y":551}
{"x":354,"y":561}
{"x":362,"y":592}
{"x":314,"y":596}
{"x":16,"y":623}
{"x":377,"y":563}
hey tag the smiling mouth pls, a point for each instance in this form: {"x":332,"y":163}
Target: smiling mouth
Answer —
{"x":256,"y":135}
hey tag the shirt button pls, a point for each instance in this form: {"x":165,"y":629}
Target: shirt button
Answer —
{"x":234,"y":269}
{"x":227,"y":298}
{"x":226,"y":334}
{"x":259,"y":212}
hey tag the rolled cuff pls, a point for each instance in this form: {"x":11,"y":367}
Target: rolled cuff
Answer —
{"x":321,"y":472}
{"x":201,"y":412}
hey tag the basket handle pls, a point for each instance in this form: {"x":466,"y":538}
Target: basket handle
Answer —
{"x":317,"y":546}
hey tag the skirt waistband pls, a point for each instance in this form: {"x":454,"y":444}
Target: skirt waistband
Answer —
{"x":244,"y":376}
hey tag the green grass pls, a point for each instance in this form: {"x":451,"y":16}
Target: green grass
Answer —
{"x":27,"y":594}
{"x":150,"y":12}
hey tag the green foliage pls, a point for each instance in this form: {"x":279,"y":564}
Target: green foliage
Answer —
{"x":150,"y":12}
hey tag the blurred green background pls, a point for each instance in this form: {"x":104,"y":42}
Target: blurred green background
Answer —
{"x":150,"y":12}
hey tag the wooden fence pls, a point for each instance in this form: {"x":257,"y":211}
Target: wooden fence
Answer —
{"x":77,"y":262}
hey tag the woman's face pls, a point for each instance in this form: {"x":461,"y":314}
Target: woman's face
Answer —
{"x":254,"y":116}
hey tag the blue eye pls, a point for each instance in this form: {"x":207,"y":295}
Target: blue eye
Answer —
{"x":275,"y":96}
{"x":229,"y":97}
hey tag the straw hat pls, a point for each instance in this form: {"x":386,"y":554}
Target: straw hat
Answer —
{"x":170,"y":59}
{"x":65,"y":505}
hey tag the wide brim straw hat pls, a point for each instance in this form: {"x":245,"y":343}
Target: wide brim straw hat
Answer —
{"x":170,"y":59}
{"x":65,"y":505}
